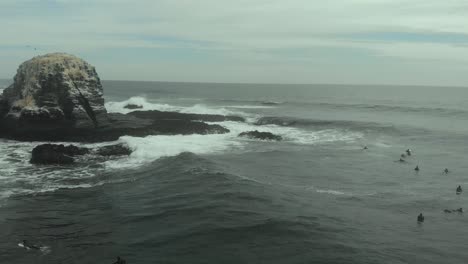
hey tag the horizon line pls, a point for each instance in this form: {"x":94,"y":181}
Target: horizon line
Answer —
{"x":301,"y":84}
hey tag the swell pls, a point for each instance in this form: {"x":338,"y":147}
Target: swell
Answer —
{"x":397,"y":108}
{"x":439,"y":111}
{"x":318,"y":123}
{"x":200,"y":201}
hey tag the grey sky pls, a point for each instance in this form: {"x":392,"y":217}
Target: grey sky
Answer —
{"x":287,"y":41}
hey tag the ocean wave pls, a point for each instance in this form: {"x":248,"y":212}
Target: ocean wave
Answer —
{"x":119,"y":107}
{"x":291,"y":121}
{"x":18,"y":176}
{"x":392,"y":108}
{"x":150,"y":148}
{"x":444,"y":111}
{"x":332,"y":192}
{"x":258,"y":102}
{"x":250,"y":106}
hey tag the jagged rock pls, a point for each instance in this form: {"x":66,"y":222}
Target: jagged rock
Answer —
{"x":61,"y":154}
{"x":56,"y":89}
{"x":160,"y":115}
{"x":56,"y":154}
{"x":3,"y":106}
{"x":133,"y":106}
{"x":261,"y":135}
{"x":114,"y":150}
{"x":280,"y":121}
{"x":59,"y":97}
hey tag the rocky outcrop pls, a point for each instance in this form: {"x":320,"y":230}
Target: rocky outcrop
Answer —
{"x":61,"y":154}
{"x":56,"y":154}
{"x":59,"y":97}
{"x":114,"y":150}
{"x":3,"y":106}
{"x":160,"y":115}
{"x":54,"y":90}
{"x":261,"y":135}
{"x":133,"y":106}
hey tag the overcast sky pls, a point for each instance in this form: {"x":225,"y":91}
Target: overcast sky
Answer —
{"x":268,"y":41}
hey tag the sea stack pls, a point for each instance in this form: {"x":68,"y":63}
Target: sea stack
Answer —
{"x":52,"y":92}
{"x":59,"y":97}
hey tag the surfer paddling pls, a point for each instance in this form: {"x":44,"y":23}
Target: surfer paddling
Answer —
{"x":27,"y":245}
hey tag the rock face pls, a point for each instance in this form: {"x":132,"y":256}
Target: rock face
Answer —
{"x":261,"y":135}
{"x":59,"y":97}
{"x":133,"y":106}
{"x":56,"y":154}
{"x":160,"y":115}
{"x":114,"y":150}
{"x":61,"y":154}
{"x":54,"y":90}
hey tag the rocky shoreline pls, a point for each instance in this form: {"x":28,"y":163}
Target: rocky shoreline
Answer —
{"x":59,"y":98}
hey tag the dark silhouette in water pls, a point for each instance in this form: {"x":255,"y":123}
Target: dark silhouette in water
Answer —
{"x":87,"y":107}
{"x":446,"y":171}
{"x":401,"y":160}
{"x":29,"y":246}
{"x":365,"y":147}
{"x":417,"y":168}
{"x":420,"y":218}
{"x":403,"y":156}
{"x":120,"y":261}
{"x":408,"y":152}
{"x":459,"y":189}
{"x":459,"y":210}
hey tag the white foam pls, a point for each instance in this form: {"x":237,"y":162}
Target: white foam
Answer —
{"x":250,"y":106}
{"x":295,"y":135}
{"x":119,"y":107}
{"x":150,"y":148}
{"x":18,"y":176}
{"x":332,"y":192}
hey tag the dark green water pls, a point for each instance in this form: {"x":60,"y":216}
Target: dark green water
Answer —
{"x":316,"y":197}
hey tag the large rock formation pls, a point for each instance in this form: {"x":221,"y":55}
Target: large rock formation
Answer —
{"x":59,"y":97}
{"x":56,"y":154}
{"x":56,"y":89}
{"x":261,"y":135}
{"x":61,"y":154}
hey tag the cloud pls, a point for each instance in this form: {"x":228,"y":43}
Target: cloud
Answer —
{"x":263,"y":36}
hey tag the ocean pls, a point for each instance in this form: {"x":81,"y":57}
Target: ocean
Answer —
{"x":315,"y":197}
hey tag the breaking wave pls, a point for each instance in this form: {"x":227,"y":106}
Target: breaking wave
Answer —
{"x":18,"y":176}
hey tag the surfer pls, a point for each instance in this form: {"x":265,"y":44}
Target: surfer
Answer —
{"x":120,"y":261}
{"x":446,"y":171}
{"x":459,"y":189}
{"x":401,"y":160}
{"x":365,"y":147}
{"x":420,"y":218}
{"x":459,"y":210}
{"x":408,"y":151}
{"x":417,"y":168}
{"x":29,"y":246}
